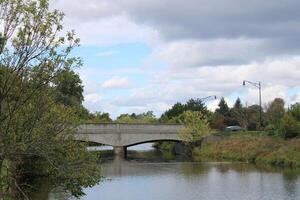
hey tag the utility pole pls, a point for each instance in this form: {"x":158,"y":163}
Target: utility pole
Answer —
{"x":208,"y":97}
{"x":257,"y":85}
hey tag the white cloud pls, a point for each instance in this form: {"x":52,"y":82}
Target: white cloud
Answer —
{"x":92,"y":98}
{"x":207,"y":50}
{"x":115,"y":82}
{"x":180,"y":84}
{"x":296,"y":99}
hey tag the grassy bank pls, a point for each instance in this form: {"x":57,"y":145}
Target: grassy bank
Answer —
{"x":254,"y":149}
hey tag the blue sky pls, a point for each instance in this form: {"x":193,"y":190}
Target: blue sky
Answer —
{"x":148,"y":55}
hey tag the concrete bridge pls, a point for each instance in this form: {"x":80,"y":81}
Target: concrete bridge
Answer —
{"x":121,"y":136}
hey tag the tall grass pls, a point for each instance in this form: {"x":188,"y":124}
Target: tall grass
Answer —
{"x":260,"y":150}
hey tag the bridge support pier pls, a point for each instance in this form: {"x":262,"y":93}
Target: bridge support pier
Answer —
{"x":120,"y":151}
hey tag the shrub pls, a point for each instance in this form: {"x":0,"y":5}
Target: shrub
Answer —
{"x":290,"y":127}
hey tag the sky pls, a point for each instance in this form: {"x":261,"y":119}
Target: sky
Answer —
{"x":147,"y":55}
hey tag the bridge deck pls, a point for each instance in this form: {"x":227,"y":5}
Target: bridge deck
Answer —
{"x":127,"y":134}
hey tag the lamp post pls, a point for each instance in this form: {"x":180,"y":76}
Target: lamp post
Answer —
{"x":208,"y":97}
{"x":257,"y":85}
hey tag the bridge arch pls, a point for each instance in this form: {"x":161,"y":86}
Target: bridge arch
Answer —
{"x":152,"y":141}
{"x":121,"y":136}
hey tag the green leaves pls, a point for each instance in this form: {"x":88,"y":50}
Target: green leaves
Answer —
{"x":36,"y":124}
{"x":196,"y":126}
{"x":290,"y":126}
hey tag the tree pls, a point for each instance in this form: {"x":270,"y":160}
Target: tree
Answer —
{"x":99,"y":117}
{"x":290,"y":122}
{"x":196,"y":127}
{"x":35,"y":129}
{"x":196,"y":105}
{"x":69,"y":87}
{"x":275,"y":111}
{"x":252,"y":116}
{"x":237,"y":114}
{"x":290,"y":127}
{"x":223,"y":108}
{"x":217,"y":121}
{"x":147,"y":117}
{"x":238,"y":104}
{"x":177,"y":109}
{"x":294,"y":110}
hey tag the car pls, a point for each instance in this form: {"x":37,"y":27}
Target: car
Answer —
{"x":234,"y":128}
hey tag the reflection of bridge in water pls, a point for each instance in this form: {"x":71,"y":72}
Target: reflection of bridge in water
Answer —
{"x":121,"y":136}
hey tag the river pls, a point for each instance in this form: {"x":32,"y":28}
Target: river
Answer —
{"x":148,"y":179}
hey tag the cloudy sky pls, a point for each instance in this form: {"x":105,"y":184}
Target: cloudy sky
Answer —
{"x":148,"y":55}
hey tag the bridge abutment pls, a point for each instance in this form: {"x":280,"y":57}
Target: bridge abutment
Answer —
{"x":120,"y":151}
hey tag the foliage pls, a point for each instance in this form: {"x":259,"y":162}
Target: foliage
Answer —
{"x":268,"y":150}
{"x":99,"y":117}
{"x":238,"y":104}
{"x":172,"y":115}
{"x":147,"y":118}
{"x":274,"y":114}
{"x":252,"y":116}
{"x":217,"y":121}
{"x":196,"y":127}
{"x":294,"y":110}
{"x":275,"y":111}
{"x":223,"y":108}
{"x":68,"y":87}
{"x":290,"y":127}
{"x":36,"y":124}
{"x":238,"y":114}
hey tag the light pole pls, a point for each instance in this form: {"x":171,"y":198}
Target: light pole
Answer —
{"x":257,"y":85}
{"x":208,"y":97}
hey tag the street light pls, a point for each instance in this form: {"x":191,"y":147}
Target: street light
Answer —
{"x":257,"y":85}
{"x":208,"y":97}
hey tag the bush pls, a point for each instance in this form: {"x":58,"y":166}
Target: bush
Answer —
{"x":290,"y":127}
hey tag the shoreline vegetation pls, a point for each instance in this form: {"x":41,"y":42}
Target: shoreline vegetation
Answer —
{"x":252,"y":149}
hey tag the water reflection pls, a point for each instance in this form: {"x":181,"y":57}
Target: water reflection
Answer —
{"x":138,"y":179}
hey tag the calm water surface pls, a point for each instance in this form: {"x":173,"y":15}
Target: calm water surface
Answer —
{"x":144,"y":180}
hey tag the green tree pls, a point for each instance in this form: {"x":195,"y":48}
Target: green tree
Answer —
{"x":196,"y":105}
{"x":238,"y":104}
{"x":175,"y":111}
{"x":290,"y":127}
{"x":275,"y":111}
{"x":237,"y":114}
{"x":196,"y":127}
{"x":172,"y":115}
{"x":99,"y":117}
{"x":223,"y":108}
{"x":68,"y":87}
{"x":252,"y":116}
{"x":290,"y":122}
{"x":294,"y":110}
{"x":35,"y":129}
{"x":217,"y":121}
{"x":147,"y":117}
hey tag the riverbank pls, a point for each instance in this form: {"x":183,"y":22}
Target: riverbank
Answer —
{"x":252,"y":149}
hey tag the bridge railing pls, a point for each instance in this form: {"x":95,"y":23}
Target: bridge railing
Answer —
{"x":128,"y":128}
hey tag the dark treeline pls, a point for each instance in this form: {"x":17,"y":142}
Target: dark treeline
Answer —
{"x":276,"y":119}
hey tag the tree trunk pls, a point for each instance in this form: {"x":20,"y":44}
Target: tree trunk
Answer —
{"x":5,"y":182}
